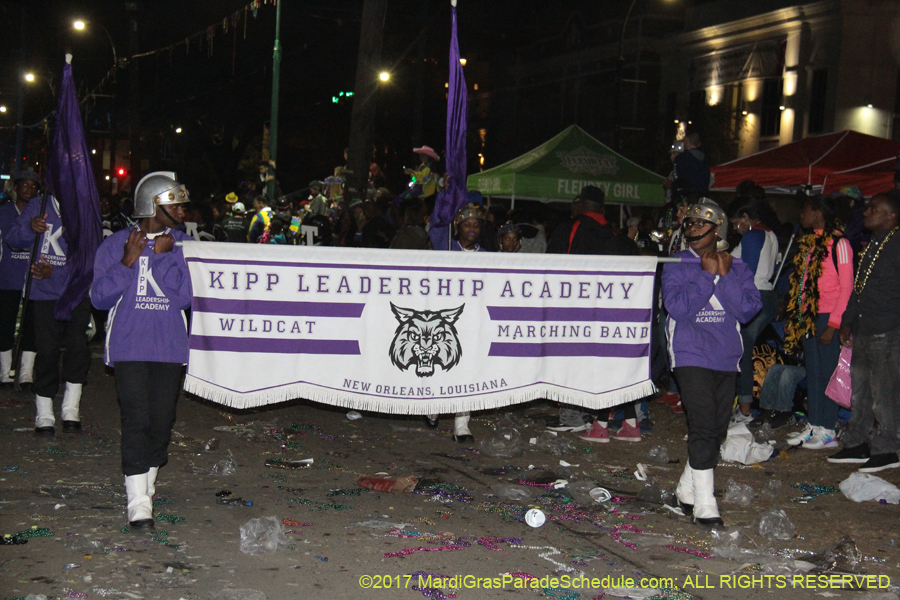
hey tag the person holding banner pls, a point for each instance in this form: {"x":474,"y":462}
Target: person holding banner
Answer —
{"x":50,"y":272}
{"x":707,"y":296}
{"x":589,"y":233}
{"x":13,"y":270}
{"x":141,"y":276}
{"x":468,"y":224}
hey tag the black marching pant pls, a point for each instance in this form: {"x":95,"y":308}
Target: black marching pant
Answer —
{"x":9,"y":312}
{"x":708,"y":397}
{"x":148,"y":393}
{"x":51,"y":337}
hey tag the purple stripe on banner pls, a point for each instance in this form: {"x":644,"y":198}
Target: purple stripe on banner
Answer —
{"x":277,"y":308}
{"x":273,"y":345}
{"x":564,"y":349}
{"x":332,"y":266}
{"x":554,"y":313}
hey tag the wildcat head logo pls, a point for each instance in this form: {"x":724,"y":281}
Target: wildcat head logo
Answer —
{"x":426,"y":338}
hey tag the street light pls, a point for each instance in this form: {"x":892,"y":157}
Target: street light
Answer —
{"x":29,"y":77}
{"x":620,"y":61}
{"x":178,"y":130}
{"x":384,"y":76}
{"x":81,"y":26}
{"x":2,"y":109}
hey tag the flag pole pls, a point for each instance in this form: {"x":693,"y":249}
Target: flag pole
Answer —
{"x":23,"y":306}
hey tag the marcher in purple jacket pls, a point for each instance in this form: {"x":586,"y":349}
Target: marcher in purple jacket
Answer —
{"x":140,"y":276}
{"x":13,"y":272}
{"x":468,"y":223}
{"x":49,"y":274}
{"x":706,"y":302}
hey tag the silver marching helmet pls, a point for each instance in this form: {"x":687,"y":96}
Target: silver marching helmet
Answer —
{"x":707,"y":210}
{"x":156,"y":189}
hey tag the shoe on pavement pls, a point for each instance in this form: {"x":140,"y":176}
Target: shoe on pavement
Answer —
{"x":777,"y":419}
{"x":646,"y":426}
{"x":461,"y":433}
{"x":669,"y":399}
{"x":880,"y":462}
{"x":628,"y":433}
{"x":556,"y":425}
{"x":599,"y":434}
{"x":738,"y":418}
{"x":856,"y":454}
{"x":795,"y":439}
{"x":821,"y":438}
{"x":678,"y":408}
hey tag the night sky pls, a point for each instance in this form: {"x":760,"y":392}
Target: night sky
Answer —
{"x":220,"y":97}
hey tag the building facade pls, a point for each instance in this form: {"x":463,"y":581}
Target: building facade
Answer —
{"x":766,"y":73}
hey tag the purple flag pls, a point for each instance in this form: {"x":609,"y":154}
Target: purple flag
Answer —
{"x":71,"y":181}
{"x":452,"y":199}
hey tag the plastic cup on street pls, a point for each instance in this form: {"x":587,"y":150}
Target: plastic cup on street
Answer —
{"x":535,"y":517}
{"x":600,"y":494}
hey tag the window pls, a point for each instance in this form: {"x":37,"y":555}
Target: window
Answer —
{"x":818,"y":91}
{"x":770,"y":117}
{"x":696,"y":103}
{"x":671,"y":107}
{"x":895,"y":129}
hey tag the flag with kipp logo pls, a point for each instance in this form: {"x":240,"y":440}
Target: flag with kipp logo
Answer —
{"x":71,"y":181}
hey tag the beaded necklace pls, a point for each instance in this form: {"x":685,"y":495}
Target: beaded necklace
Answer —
{"x":859,"y":286}
{"x":803,"y":286}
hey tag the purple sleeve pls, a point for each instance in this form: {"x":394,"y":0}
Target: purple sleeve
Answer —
{"x":21,"y":235}
{"x":686,"y":289}
{"x":111,"y":277}
{"x":738,"y":294}
{"x":172,"y":275}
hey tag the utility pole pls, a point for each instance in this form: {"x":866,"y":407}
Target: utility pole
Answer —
{"x":273,"y":119}
{"x":620,"y":63}
{"x":419,"y":102}
{"x":134,"y":128}
{"x":362,"y":119}
{"x":20,"y":111}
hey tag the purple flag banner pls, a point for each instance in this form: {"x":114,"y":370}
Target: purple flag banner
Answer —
{"x":452,"y":199}
{"x":71,"y":181}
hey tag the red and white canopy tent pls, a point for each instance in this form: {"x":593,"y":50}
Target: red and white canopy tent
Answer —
{"x":826,"y":162}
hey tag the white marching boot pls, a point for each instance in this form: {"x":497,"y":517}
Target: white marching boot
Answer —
{"x":151,"y":482}
{"x":706,"y":511}
{"x":140,"y":506}
{"x":27,"y":366}
{"x":461,"y":431}
{"x":44,"y":422}
{"x":5,"y":367}
{"x":71,"y":417}
{"x":684,"y":492}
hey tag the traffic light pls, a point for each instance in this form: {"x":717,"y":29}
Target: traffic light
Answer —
{"x":336,"y":99}
{"x":121,"y":171}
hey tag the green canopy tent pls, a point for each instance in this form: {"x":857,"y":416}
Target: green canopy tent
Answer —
{"x":558,"y":169}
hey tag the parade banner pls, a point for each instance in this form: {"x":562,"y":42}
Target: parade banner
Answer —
{"x":412,"y":332}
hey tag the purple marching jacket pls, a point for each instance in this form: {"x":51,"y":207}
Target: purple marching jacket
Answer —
{"x":13,"y":259}
{"x":146,"y":322}
{"x":705,"y":313}
{"x":52,"y":247}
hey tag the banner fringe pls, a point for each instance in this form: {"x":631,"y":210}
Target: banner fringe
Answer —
{"x":403,"y":406}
